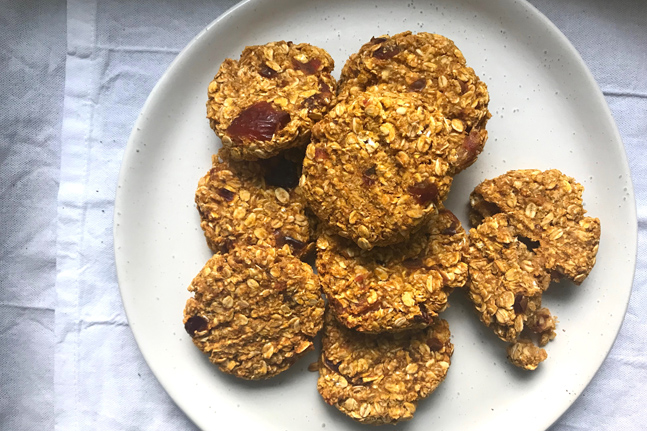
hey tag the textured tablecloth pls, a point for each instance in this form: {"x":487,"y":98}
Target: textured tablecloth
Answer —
{"x":73,"y":78}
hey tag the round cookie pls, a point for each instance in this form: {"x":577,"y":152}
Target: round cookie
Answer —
{"x":546,"y":207}
{"x":424,"y":63}
{"x":255,"y":310}
{"x":378,"y":379}
{"x":269,"y":100}
{"x":397,"y":287}
{"x":507,"y":280}
{"x":378,"y":166}
{"x":250,"y":202}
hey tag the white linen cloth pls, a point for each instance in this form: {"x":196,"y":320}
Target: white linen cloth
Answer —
{"x":67,"y":353}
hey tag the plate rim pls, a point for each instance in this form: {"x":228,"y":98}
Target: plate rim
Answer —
{"x":129,"y":155}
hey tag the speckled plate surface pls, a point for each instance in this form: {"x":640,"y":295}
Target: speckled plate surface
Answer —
{"x":547,"y":113}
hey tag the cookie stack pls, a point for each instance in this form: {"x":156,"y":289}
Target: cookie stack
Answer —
{"x":410,"y":115}
{"x":256,"y":307}
{"x":360,"y":169}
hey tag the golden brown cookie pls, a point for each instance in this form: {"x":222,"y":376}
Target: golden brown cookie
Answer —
{"x":379,"y":379}
{"x":269,"y":100}
{"x":378,"y":166}
{"x":252,"y":202}
{"x":396,"y":287}
{"x":254,"y":310}
{"x":428,"y":64}
{"x":530,"y":228}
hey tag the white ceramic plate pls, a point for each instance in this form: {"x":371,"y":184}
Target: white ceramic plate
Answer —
{"x":547,"y":113}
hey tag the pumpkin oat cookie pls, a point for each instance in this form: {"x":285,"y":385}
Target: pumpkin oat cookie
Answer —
{"x":379,"y":165}
{"x":428,"y":64}
{"x":530,"y":228}
{"x":254,"y":201}
{"x":379,"y":379}
{"x":255,"y":310}
{"x":396,"y":287}
{"x":269,"y":99}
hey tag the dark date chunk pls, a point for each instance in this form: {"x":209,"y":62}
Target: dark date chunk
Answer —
{"x":520,"y":303}
{"x":418,"y":85}
{"x":309,"y":68}
{"x":453,"y":227}
{"x":424,"y":315}
{"x":226,"y":194}
{"x":320,"y":99}
{"x":471,"y":148}
{"x":258,"y":122}
{"x":386,"y":51}
{"x":195,"y":324}
{"x":267,"y":72}
{"x":375,"y":40}
{"x":321,"y":154}
{"x":464,"y":86}
{"x":424,"y":192}
{"x":369,"y":176}
{"x":281,"y":172}
{"x":331,"y":365}
{"x":435,"y":344}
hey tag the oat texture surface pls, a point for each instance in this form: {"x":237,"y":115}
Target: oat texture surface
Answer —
{"x":255,"y":310}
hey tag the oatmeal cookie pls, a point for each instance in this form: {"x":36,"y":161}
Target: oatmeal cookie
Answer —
{"x":254,"y":201}
{"x":428,"y":64}
{"x":530,"y":228}
{"x":378,"y":166}
{"x":269,"y":99}
{"x":546,"y":207}
{"x":254,"y":310}
{"x":396,"y":287}
{"x":378,"y":379}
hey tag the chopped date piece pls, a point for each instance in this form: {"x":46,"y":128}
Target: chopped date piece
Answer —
{"x":435,"y":344}
{"x":309,"y":68}
{"x":464,"y":86}
{"x":260,"y":122}
{"x":195,"y":324}
{"x":321,"y":154}
{"x":226,"y":194}
{"x":418,"y":85}
{"x":320,"y":99}
{"x":469,"y":150}
{"x":360,"y":279}
{"x":267,"y":72}
{"x":424,"y":314}
{"x":386,"y":51}
{"x":424,"y":192}
{"x":520,"y":303}
{"x":368,"y":177}
{"x":331,"y":365}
